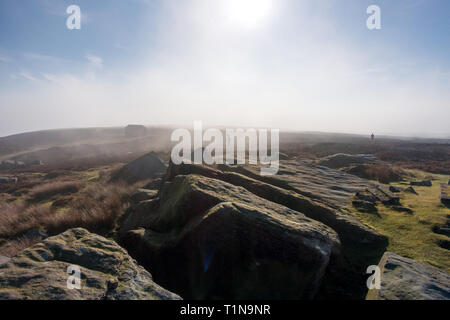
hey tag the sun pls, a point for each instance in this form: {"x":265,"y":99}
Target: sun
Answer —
{"x":248,"y":13}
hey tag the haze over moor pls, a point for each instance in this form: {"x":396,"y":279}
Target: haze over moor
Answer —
{"x":296,"y":65}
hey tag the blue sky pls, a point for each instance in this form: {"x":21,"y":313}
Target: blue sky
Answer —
{"x":289,"y":64}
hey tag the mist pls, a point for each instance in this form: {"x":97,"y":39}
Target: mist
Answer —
{"x":294,"y":70}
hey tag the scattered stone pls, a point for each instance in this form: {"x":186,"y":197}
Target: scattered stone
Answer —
{"x":394,"y":189}
{"x":424,"y":183}
{"x":410,"y":190}
{"x":366,"y":196}
{"x":385,"y":196}
{"x":444,"y":244}
{"x":442,"y":230}
{"x":407,"y":279}
{"x":402,"y":209}
{"x":365,"y":206}
{"x":445,"y":194}
{"x":107,"y":271}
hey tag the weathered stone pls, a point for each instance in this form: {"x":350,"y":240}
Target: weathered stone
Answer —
{"x":143,"y":195}
{"x":445,"y":230}
{"x":407,"y":279}
{"x":206,"y":238}
{"x":410,"y":190}
{"x":355,"y":237}
{"x":366,"y":196}
{"x":394,"y":189}
{"x":345,"y":225}
{"x":40,"y":272}
{"x":385,"y":196}
{"x":402,"y":209}
{"x":365,"y":206}
{"x":341,"y":160}
{"x":444,"y":244}
{"x":445,"y":194}
{"x":424,"y":183}
{"x":146,"y":167}
{"x":331,"y":187}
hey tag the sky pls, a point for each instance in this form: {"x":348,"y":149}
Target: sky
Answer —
{"x":302,"y":65}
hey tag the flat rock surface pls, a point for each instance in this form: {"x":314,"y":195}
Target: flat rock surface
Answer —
{"x":107,"y":271}
{"x":407,"y":279}
{"x":341,"y":160}
{"x":332,"y":187}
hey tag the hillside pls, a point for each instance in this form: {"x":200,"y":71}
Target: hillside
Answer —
{"x":225,"y":231}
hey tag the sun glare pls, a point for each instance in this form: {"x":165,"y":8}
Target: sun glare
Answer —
{"x":248,"y":13}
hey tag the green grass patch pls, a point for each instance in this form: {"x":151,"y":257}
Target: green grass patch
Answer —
{"x":411,"y":235}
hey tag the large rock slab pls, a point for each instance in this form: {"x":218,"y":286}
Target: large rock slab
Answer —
{"x":423,"y":183}
{"x":107,"y":271}
{"x":206,"y":238}
{"x":331,"y":187}
{"x":407,"y":279}
{"x":349,"y":228}
{"x":146,"y":167}
{"x":341,"y":160}
{"x":361,"y":246}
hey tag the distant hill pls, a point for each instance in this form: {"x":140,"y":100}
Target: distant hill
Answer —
{"x":48,"y":138}
{"x":82,"y":141}
{"x":54,"y":147}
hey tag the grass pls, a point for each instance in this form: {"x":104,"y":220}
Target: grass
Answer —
{"x":97,"y":207}
{"x":48,"y":190}
{"x":411,"y":235}
{"x":17,"y":218}
{"x":17,"y":245}
{"x":383,"y":173}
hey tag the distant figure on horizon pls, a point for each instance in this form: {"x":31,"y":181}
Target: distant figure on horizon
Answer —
{"x":372,"y":136}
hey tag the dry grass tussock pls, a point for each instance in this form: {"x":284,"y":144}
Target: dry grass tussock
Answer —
{"x":17,"y":245}
{"x":96,"y":208}
{"x":48,"y":190}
